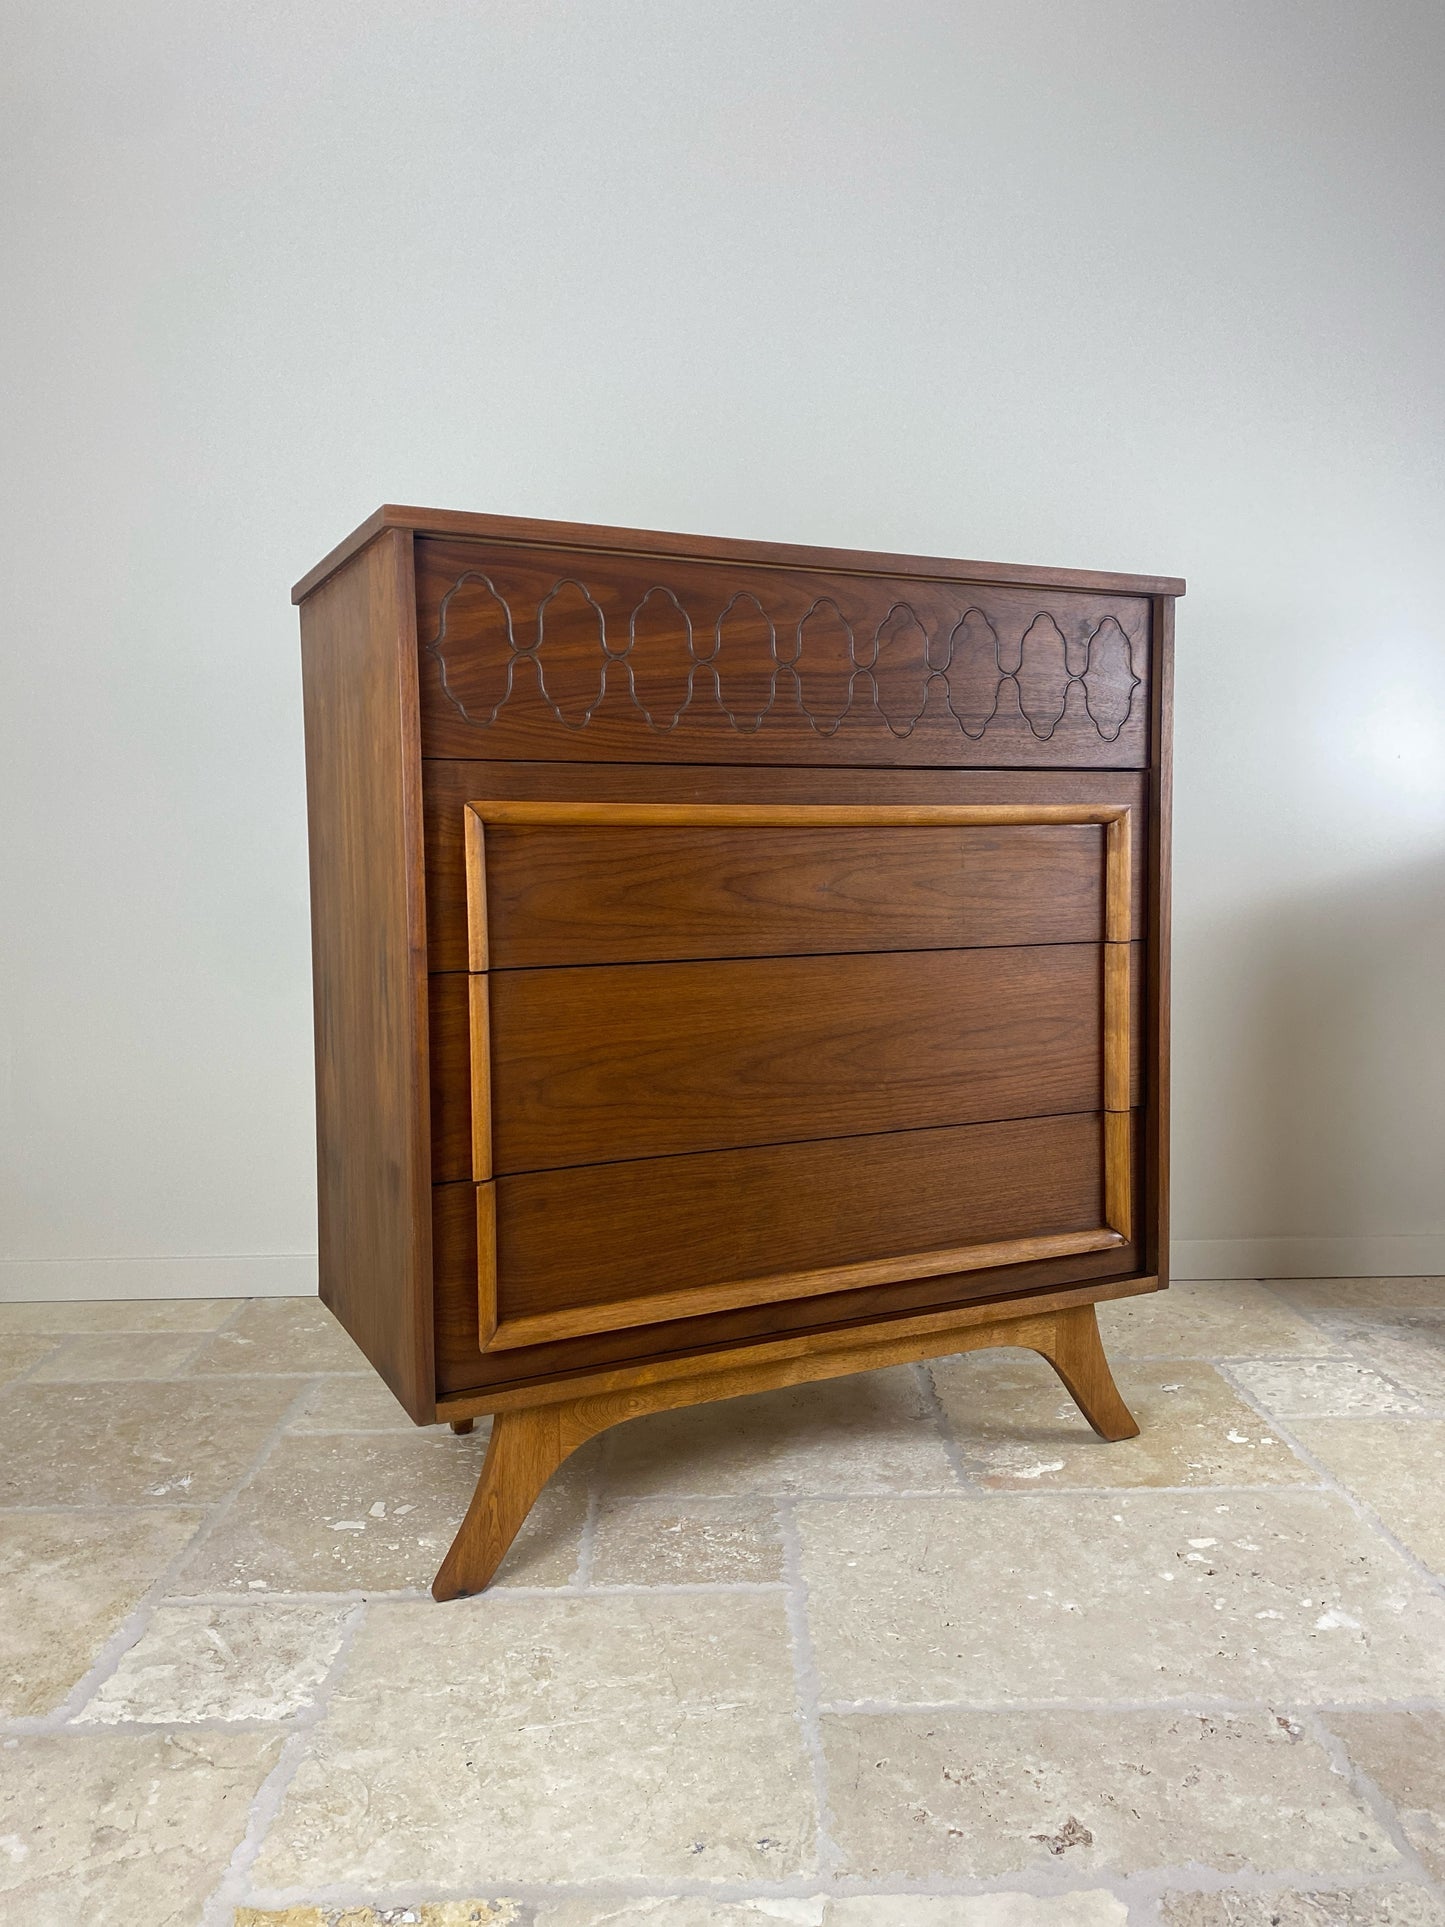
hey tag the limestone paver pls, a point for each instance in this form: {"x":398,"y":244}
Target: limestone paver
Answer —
{"x":990,"y":1795}
{"x":68,"y":1581}
{"x":1360,"y":1907}
{"x":1322,"y":1388}
{"x":133,"y":1443}
{"x":1138,"y":1596}
{"x":702,"y":1541}
{"x":123,"y":1830}
{"x":1408,"y":1346}
{"x":255,"y":1662}
{"x":1225,"y":1319}
{"x":343,"y":1403}
{"x":525,"y":1739}
{"x":118,"y":1315}
{"x":1394,"y":1466}
{"x":282,"y":1335}
{"x":428,"y":1913}
{"x":97,"y":1356}
{"x":871,"y":1433}
{"x":374,"y":1513}
{"x":1018,"y":1428}
{"x":21,"y":1354}
{"x":1404,"y":1754}
{"x":1092,"y":1907}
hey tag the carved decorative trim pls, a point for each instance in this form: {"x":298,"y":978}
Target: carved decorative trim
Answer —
{"x":744,"y":664}
{"x":1117,"y":1208}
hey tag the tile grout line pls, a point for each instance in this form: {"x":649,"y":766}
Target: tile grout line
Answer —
{"x":265,"y":1807}
{"x":1379,"y":1804}
{"x":805,"y":1685}
{"x":952,"y":1450}
{"x":1337,"y":1488}
{"x":137,"y":1622}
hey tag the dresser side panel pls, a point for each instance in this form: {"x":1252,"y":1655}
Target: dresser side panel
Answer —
{"x":1161,"y":800}
{"x":363,"y":777}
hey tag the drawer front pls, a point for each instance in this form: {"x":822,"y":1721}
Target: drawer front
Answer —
{"x":613,"y":1245}
{"x":794,"y":1120}
{"x":598,"y":657}
{"x":574,"y":894}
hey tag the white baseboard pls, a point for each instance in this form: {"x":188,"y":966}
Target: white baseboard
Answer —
{"x":1420,"y":1256}
{"x":287,"y":1274}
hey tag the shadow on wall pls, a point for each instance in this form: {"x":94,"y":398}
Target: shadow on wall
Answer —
{"x":1309,"y":1079}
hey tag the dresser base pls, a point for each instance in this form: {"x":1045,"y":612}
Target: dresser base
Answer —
{"x":534,"y":1430}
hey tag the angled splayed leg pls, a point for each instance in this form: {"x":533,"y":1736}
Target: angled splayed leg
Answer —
{"x":1073,"y":1347}
{"x":525,"y":1449}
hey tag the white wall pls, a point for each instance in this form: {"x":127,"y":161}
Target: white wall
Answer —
{"x":1147,"y":286}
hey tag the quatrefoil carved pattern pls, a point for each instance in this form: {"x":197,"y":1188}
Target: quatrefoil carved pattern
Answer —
{"x":822,"y":666}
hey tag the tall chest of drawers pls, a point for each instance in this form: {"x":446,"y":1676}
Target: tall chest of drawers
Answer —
{"x":735,"y":964}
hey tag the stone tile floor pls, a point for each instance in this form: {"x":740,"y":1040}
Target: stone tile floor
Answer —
{"x":905,"y":1650}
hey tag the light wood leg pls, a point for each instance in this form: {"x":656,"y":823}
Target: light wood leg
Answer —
{"x":1075,"y":1350}
{"x":461,"y":1426}
{"x":529,"y":1442}
{"x":525,"y":1449}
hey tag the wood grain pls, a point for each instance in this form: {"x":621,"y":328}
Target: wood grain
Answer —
{"x":530,"y":532}
{"x":463,"y":1367}
{"x":528,"y":1443}
{"x":687,"y":1233}
{"x":650,"y":1060}
{"x":607,"y":657}
{"x":363,"y":781}
{"x":605,"y":893}
{"x":452,"y":786}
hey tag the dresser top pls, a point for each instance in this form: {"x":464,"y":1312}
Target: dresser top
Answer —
{"x":524,"y":531}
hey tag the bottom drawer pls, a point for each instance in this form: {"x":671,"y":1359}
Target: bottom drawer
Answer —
{"x":598,"y":1248}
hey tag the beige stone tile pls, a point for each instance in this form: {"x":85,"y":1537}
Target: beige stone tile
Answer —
{"x":870,"y":1433}
{"x":133,"y":1443}
{"x":985,"y":1795}
{"x":1404,"y":1754}
{"x":254,"y":1662}
{"x":282,"y":1335}
{"x":507,"y":1739}
{"x":123,"y":1830}
{"x":1358,"y":1907}
{"x":1346,"y":1294}
{"x":68,"y":1580}
{"x":1018,"y":1428}
{"x":1321,"y":1388}
{"x":348,"y":1512}
{"x":1408,"y":1346}
{"x":59,"y":1315}
{"x":1393,"y":1465}
{"x":358,"y":1404}
{"x":428,"y":1913}
{"x":1226,"y":1319}
{"x":638,"y":1543}
{"x":18,"y":1355}
{"x":1142,"y":1596}
{"x":680,"y":1910}
{"x":1090,"y":1907}
{"x":109,"y":1355}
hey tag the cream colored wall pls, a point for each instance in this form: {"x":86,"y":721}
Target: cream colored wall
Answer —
{"x":1151,"y":286}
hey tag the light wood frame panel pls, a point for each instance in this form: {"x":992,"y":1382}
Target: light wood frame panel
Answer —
{"x":1117,"y":1227}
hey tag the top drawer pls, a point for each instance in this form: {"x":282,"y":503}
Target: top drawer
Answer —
{"x":599,"y":657}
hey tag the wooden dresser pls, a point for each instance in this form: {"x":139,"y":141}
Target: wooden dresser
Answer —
{"x":735,"y":964}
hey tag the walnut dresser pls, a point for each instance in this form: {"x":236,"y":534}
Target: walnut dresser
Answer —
{"x":735,"y":964}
